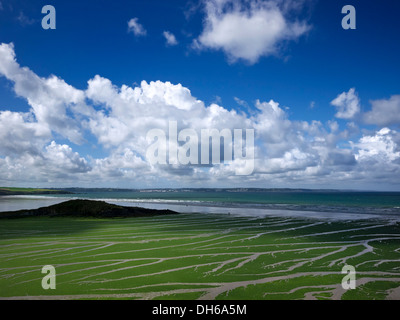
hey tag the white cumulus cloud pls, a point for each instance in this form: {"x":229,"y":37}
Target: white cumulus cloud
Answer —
{"x":247,"y":29}
{"x":136,"y":28}
{"x":380,"y":147}
{"x":50,"y":98}
{"x":347,"y":105}
{"x":170,"y":38}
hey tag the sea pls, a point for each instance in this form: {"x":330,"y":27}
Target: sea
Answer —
{"x":336,"y":205}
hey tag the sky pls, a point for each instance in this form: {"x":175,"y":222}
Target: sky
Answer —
{"x":77,"y":102}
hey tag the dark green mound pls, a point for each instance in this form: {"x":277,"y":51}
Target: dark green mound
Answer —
{"x":30,"y":191}
{"x":86,"y":208}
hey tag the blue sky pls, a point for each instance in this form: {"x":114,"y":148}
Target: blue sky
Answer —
{"x":226,"y":53}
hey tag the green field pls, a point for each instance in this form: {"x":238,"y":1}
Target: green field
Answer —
{"x":198,"y":256}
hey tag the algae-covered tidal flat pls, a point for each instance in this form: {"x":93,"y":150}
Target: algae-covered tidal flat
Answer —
{"x":199,"y":256}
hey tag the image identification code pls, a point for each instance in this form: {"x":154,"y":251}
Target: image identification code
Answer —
{"x":231,"y":309}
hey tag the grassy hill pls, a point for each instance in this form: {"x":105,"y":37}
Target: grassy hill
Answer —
{"x":86,"y":208}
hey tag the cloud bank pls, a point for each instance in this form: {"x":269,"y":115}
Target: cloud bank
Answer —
{"x":97,"y":137}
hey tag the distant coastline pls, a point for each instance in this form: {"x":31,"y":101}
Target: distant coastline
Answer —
{"x":243,"y":201}
{"x":5,"y":191}
{"x":73,"y":190}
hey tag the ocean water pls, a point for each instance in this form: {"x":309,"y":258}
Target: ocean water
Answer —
{"x":312,"y":204}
